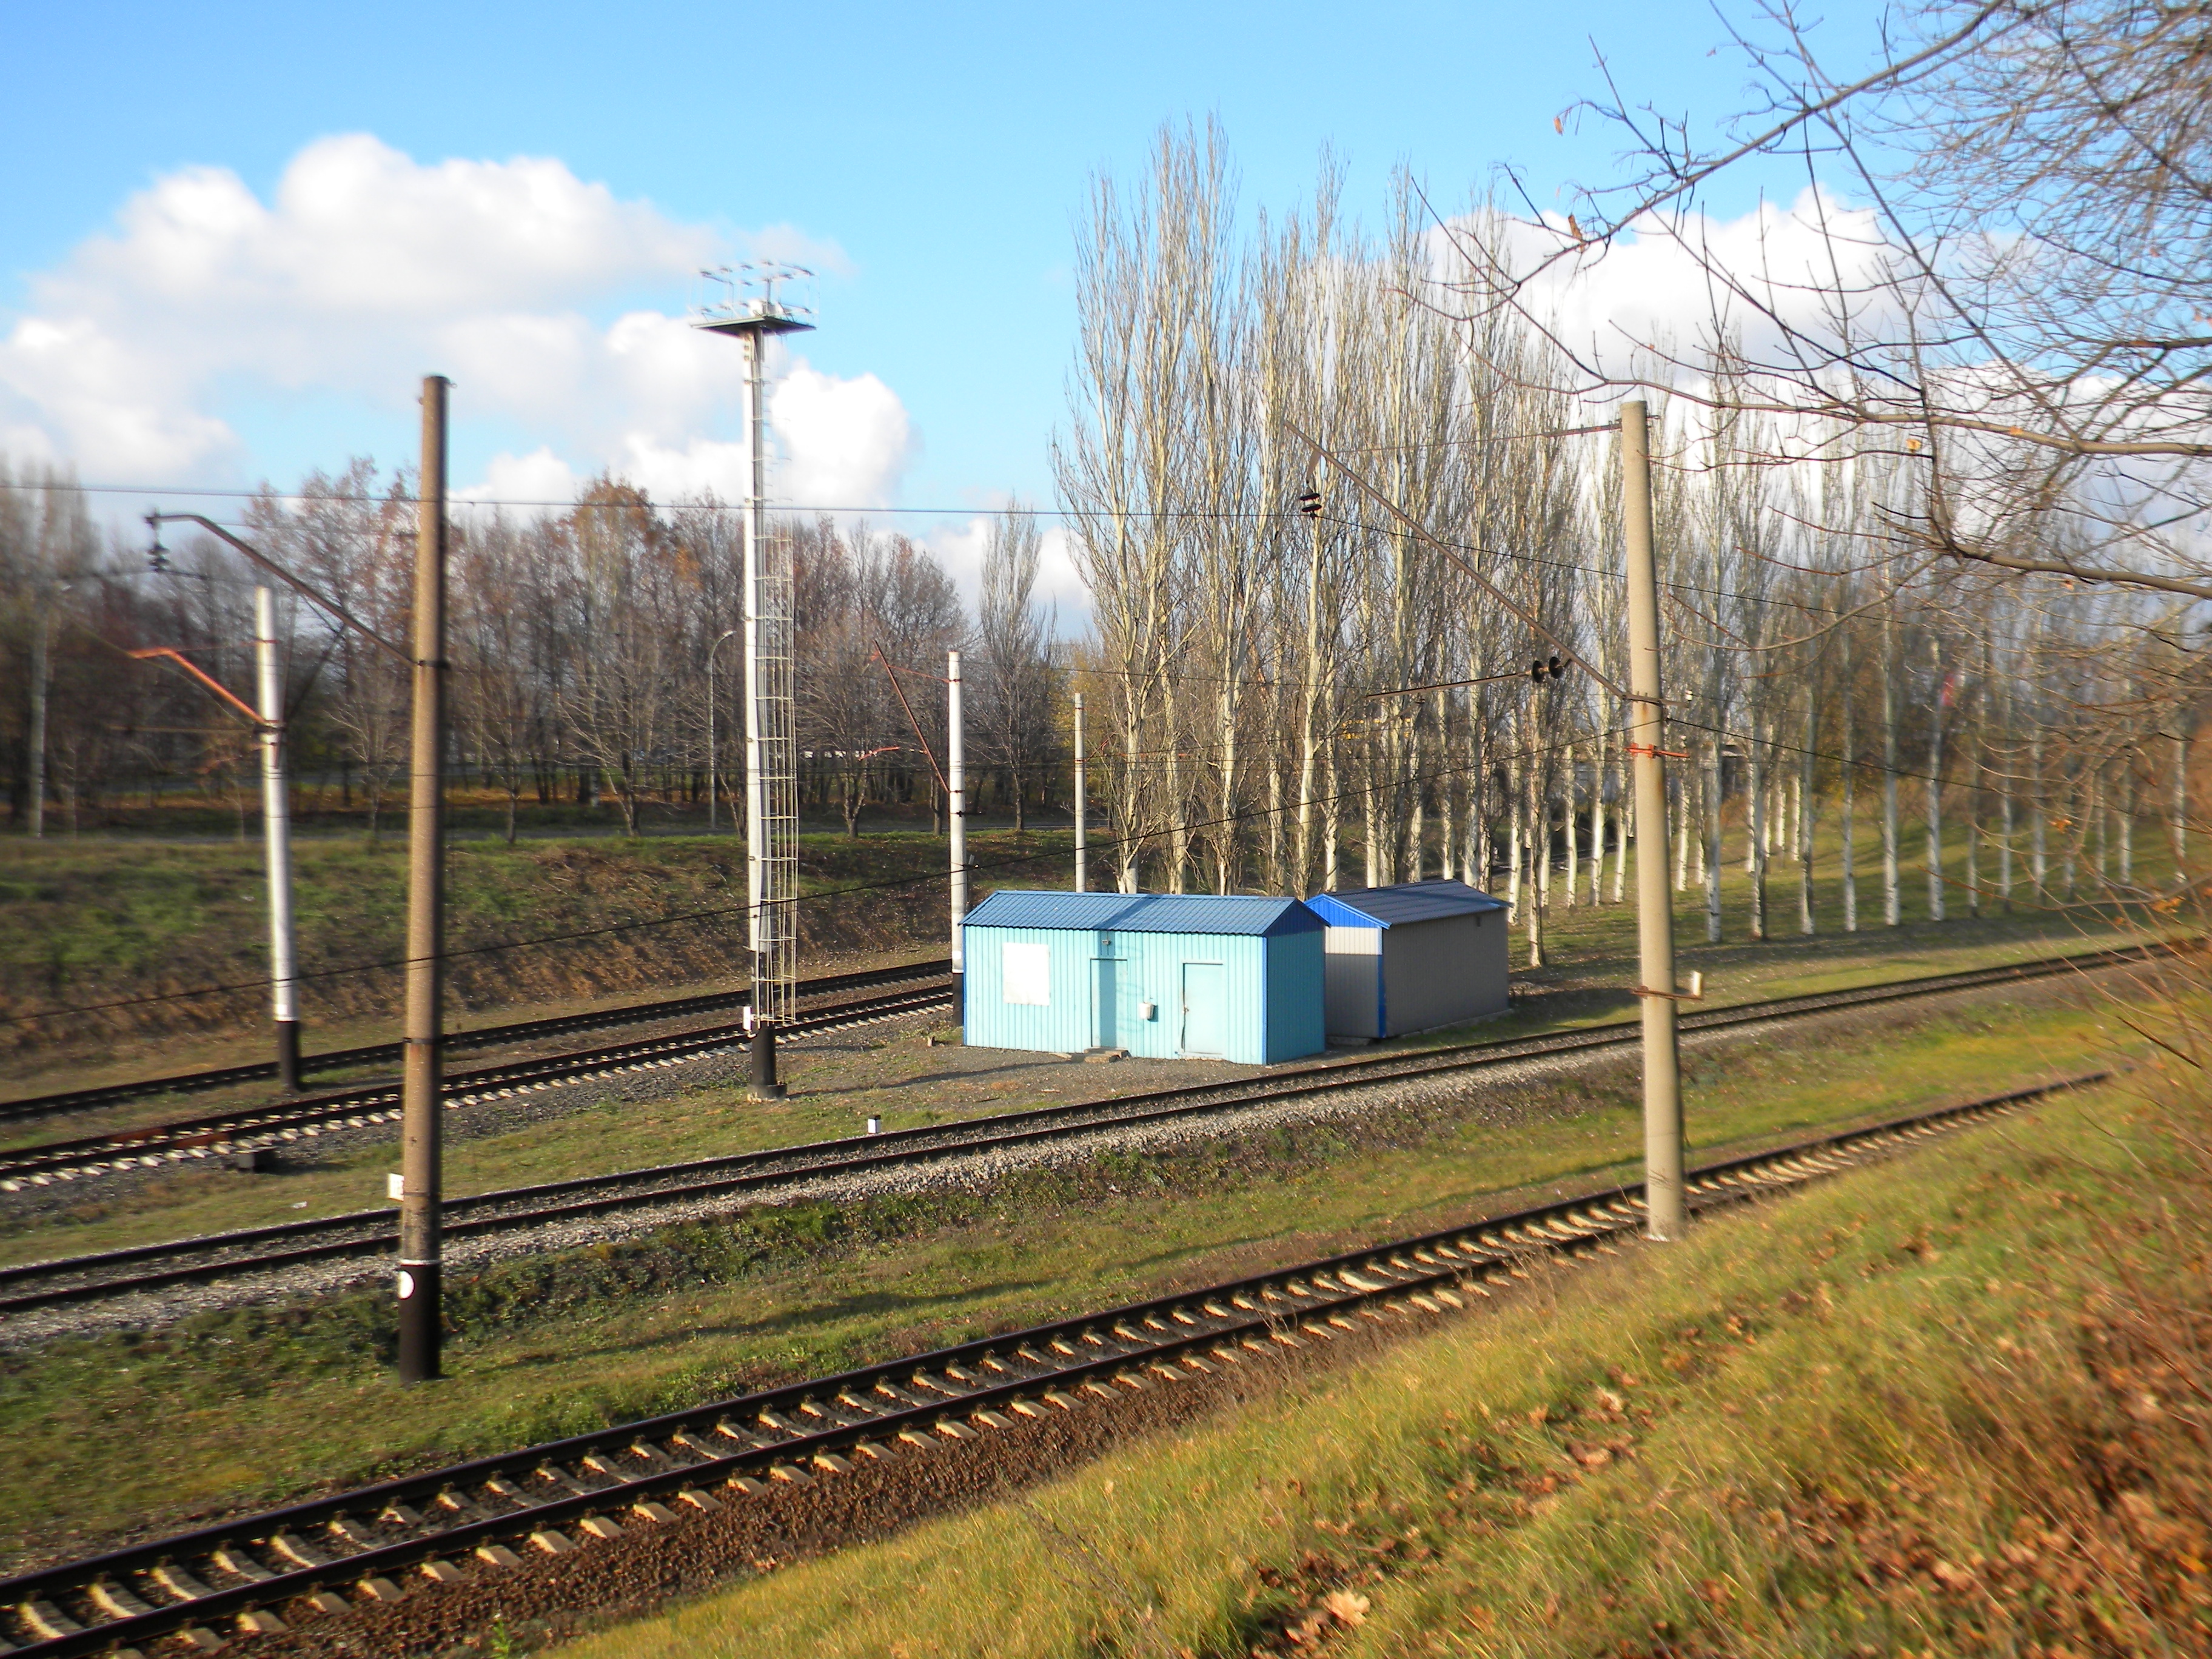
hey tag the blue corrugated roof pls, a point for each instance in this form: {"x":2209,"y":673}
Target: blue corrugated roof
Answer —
{"x":1412,"y":901}
{"x":1147,"y":913}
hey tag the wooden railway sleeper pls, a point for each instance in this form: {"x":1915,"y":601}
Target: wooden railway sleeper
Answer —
{"x":239,"y":1564}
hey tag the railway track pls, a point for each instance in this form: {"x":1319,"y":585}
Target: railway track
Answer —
{"x":487,"y":1036}
{"x":324,"y":1558}
{"x":244,"y":1131}
{"x":107,"y":1275}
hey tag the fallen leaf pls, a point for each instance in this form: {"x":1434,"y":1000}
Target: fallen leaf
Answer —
{"x":1345,"y":1608}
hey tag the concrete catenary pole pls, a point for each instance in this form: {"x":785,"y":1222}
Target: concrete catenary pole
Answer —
{"x":1666,"y":1215}
{"x":1082,"y":856}
{"x":956,"y":790}
{"x":420,"y":1173}
{"x":277,"y":835}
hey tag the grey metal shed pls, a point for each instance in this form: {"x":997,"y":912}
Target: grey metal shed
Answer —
{"x":1411,"y":958}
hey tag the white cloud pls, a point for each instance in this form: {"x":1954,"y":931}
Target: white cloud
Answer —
{"x":846,"y":441}
{"x":142,"y":354}
{"x":1654,"y":286}
{"x":959,"y":549}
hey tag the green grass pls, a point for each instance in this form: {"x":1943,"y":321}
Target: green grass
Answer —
{"x":1883,"y":1415}
{"x":248,"y":1407}
{"x":99,"y":920}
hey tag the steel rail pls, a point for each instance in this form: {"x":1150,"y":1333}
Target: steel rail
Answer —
{"x":484,"y":1036}
{"x":301,"y":1557}
{"x":243,"y":1130}
{"x":40,"y":1164}
{"x":70,"y":1279}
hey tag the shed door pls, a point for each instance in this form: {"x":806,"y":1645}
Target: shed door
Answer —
{"x":1103,"y":1023}
{"x":1204,"y":1008}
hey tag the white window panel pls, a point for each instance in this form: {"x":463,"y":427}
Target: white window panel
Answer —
{"x":1025,"y":974}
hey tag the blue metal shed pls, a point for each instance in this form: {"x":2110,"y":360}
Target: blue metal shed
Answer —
{"x":1203,"y":976}
{"x":1411,"y":958}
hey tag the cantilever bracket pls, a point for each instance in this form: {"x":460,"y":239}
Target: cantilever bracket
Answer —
{"x":1695,"y":994}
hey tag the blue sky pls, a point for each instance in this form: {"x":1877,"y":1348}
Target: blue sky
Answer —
{"x":936,"y":157}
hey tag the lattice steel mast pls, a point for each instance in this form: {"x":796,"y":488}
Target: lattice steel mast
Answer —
{"x":771,"y":758}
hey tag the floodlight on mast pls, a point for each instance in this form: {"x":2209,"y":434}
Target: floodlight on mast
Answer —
{"x":771,"y":756}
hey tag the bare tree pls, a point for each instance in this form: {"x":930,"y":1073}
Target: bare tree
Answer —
{"x":1013,"y":655}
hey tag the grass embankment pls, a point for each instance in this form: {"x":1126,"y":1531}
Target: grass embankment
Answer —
{"x":130,"y":917}
{"x":229,"y":1410}
{"x":1952,"y":1403}
{"x":92,"y":921}
{"x":86,"y":922}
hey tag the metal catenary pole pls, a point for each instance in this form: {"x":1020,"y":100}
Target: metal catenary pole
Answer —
{"x":956,"y":792}
{"x":1082,"y":857}
{"x":277,"y":834}
{"x":771,"y":763}
{"x":1666,"y":1215}
{"x":760,"y":781}
{"x":420,"y":1247}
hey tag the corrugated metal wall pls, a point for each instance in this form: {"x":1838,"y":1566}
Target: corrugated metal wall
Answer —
{"x":1296,"y":1023}
{"x":990,"y":1021}
{"x":1351,"y":969}
{"x":1271,"y":988}
{"x":1441,"y":972}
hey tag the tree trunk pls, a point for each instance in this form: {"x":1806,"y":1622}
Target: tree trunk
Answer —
{"x":35,"y":739}
{"x":1755,"y":829}
{"x":1574,"y":869}
{"x":1893,"y":895}
{"x":1444,"y":786}
{"x":1935,"y":786}
{"x":2038,"y":850}
{"x":1712,"y":843}
{"x":1513,"y":846}
{"x":2127,"y":820}
{"x":2179,"y":829}
{"x":1849,"y":825}
{"x":1804,"y":815}
{"x":1534,"y":910}
{"x":1624,"y":815}
{"x":1332,"y":822}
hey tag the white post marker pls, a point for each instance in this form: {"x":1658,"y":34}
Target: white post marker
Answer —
{"x":955,"y":791}
{"x":1082,"y":858}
